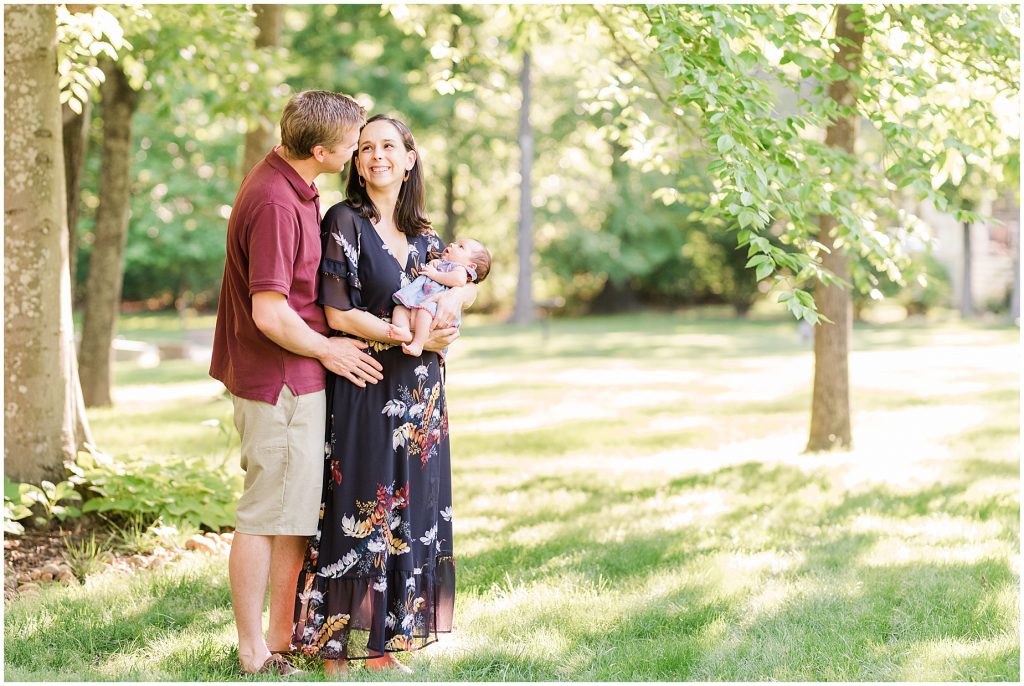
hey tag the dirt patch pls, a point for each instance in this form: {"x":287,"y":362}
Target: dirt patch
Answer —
{"x":37,"y":558}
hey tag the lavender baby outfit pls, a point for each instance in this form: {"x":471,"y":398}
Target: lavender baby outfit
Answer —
{"x":413,"y":295}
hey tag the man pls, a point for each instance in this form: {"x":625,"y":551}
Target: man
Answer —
{"x":270,"y":351}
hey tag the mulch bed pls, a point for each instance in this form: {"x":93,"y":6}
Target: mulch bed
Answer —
{"x":40,"y":557}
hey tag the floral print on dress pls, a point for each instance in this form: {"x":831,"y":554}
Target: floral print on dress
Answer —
{"x":381,"y":564}
{"x":426,"y":421}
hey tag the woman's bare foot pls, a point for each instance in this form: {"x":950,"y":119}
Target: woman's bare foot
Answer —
{"x":414,"y":349}
{"x":335,"y":667}
{"x":387,"y":661}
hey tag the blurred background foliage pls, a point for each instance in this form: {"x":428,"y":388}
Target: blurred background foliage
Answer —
{"x":619,"y":195}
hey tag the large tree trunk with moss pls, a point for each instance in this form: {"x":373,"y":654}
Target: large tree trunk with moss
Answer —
{"x":106,"y":265}
{"x":524,"y":312}
{"x":259,"y":138}
{"x":830,"y":408}
{"x":76,"y":139}
{"x":43,"y":420}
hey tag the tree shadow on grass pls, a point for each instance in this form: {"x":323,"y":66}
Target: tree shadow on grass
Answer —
{"x":867,"y":633}
{"x":844,"y":615}
{"x":840,"y":614}
{"x":83,"y":634}
{"x":572,"y":550}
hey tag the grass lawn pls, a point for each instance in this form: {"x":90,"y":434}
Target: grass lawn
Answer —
{"x":631,"y":503}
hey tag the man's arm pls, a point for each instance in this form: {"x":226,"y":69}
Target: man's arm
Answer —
{"x":281,"y":324}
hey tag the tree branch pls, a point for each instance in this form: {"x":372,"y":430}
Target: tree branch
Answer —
{"x":654,"y":86}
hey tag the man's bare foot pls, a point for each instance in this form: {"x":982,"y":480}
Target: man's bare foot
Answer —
{"x":387,"y":661}
{"x":399,"y":334}
{"x":414,"y":349}
{"x":335,"y":667}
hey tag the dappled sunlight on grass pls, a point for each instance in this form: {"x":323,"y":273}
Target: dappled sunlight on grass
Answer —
{"x":631,"y":502}
{"x":896,"y":552}
{"x":947,"y":659}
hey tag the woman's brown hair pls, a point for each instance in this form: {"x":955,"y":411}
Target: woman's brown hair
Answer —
{"x":410,"y":211}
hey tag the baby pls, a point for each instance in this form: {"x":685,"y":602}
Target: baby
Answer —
{"x":463,"y":261}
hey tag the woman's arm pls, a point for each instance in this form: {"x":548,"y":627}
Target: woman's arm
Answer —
{"x":359,"y":323}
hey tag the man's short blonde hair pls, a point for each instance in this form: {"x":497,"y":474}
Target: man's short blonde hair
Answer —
{"x":314,"y":118}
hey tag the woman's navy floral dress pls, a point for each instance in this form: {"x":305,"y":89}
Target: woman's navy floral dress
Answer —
{"x":381,"y":561}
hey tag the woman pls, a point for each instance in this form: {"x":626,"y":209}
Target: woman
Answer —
{"x":382,"y":559}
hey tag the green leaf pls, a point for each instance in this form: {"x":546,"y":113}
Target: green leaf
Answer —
{"x":725,"y":143}
{"x":764,"y":270}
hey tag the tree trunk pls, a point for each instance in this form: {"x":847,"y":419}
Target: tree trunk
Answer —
{"x":106,"y":266}
{"x":830,"y":408}
{"x":1014,"y":310}
{"x":966,"y":292}
{"x":449,"y":201}
{"x":76,"y":142}
{"x":524,"y":312}
{"x":40,"y":389}
{"x":259,"y":139}
{"x":450,"y":218}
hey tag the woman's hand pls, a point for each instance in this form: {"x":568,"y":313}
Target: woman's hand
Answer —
{"x":449,"y":308}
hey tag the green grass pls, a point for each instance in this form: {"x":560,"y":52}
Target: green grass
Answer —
{"x":632,"y":504}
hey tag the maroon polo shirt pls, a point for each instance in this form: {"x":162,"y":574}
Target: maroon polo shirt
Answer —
{"x":273,"y":245}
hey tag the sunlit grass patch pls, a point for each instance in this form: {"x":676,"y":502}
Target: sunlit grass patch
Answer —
{"x":632,"y":503}
{"x":198,"y":428}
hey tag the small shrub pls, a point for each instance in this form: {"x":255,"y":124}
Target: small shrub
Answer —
{"x":140,"y":535}
{"x":86,"y":557}
{"x":47,"y":501}
{"x":187,"y":491}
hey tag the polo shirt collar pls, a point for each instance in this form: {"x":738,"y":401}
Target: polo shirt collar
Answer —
{"x":305,"y":191}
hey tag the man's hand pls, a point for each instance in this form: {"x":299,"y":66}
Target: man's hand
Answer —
{"x":345,"y":357}
{"x":442,"y":338}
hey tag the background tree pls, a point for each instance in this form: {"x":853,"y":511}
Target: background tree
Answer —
{"x":75,"y":139}
{"x":42,"y":424}
{"x":106,"y":267}
{"x":84,"y":34}
{"x":207,"y":53}
{"x":524,"y":311}
{"x":776,"y":173}
{"x":830,"y":401}
{"x":260,"y":136}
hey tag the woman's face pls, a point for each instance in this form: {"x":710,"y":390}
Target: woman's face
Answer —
{"x":382,"y":159}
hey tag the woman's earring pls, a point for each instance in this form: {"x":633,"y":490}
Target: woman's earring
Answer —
{"x":362,"y":182}
{"x":406,"y":177}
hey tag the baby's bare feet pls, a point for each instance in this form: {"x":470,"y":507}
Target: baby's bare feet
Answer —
{"x":399,"y":334}
{"x":414,"y":349}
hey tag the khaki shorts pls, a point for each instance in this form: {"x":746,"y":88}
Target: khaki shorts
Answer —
{"x":283,"y":460}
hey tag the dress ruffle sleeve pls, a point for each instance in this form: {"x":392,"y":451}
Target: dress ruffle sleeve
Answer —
{"x":340,"y":287}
